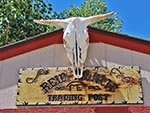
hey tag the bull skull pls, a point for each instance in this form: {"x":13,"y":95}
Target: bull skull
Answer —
{"x":75,"y":38}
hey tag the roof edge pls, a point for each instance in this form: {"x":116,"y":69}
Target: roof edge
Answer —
{"x":31,"y":39}
{"x":55,"y":37}
{"x":119,"y":35}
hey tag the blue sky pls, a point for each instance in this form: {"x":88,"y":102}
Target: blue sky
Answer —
{"x":134,"y":13}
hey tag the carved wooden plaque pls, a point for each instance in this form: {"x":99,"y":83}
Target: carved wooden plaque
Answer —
{"x":98,"y":86}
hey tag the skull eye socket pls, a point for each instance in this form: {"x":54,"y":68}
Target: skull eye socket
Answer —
{"x":68,"y":32}
{"x":66,"y":44}
{"x":87,"y":40}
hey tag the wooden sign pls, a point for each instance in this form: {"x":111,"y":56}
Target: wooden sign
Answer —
{"x":98,"y":86}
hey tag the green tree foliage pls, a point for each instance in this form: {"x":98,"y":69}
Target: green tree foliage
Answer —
{"x":16,"y":19}
{"x":95,"y":7}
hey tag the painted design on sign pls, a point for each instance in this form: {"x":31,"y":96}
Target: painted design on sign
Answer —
{"x":98,"y":86}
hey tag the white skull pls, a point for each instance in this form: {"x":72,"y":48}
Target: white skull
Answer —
{"x":76,"y":42}
{"x":75,"y":38}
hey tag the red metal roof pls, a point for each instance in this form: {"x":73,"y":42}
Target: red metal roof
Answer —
{"x":55,"y":37}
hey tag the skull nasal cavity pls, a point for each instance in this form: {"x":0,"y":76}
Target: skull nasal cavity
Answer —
{"x":77,"y":71}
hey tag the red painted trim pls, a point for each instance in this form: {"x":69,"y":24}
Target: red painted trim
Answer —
{"x":79,"y":110}
{"x":55,"y":39}
{"x":96,"y":36}
{"x":120,"y":42}
{"x":112,"y":110}
{"x":71,"y":110}
{"x":50,"y":110}
{"x":140,"y":109}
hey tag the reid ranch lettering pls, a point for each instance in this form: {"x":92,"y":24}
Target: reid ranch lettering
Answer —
{"x":52,"y":82}
{"x":97,"y":78}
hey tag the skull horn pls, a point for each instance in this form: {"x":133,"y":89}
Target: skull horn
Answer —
{"x":94,"y":19}
{"x":56,"y":22}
